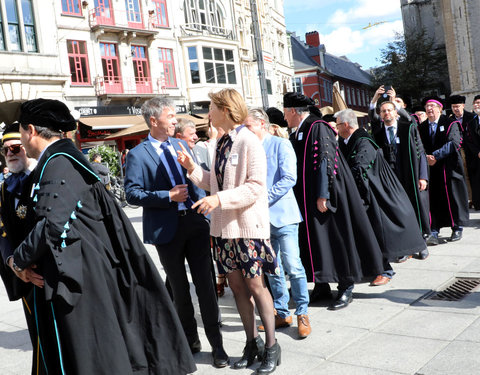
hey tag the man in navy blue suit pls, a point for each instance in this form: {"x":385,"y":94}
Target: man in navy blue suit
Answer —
{"x":155,"y":181}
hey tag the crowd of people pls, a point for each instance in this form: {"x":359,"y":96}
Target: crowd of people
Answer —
{"x":334,"y":203}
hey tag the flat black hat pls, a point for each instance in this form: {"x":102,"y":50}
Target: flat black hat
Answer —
{"x":275,"y":116}
{"x":47,"y":113}
{"x":456,"y":99}
{"x":12,"y":131}
{"x":418,"y":108}
{"x":295,"y":99}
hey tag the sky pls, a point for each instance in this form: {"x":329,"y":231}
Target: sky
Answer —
{"x":340,"y":24}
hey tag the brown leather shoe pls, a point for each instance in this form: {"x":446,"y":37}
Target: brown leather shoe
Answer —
{"x":304,"y":328}
{"x":380,"y":280}
{"x":279,"y":323}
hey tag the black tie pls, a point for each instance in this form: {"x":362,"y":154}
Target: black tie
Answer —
{"x":173,"y":168}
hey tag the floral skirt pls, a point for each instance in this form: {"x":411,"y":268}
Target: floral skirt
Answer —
{"x":252,"y":257}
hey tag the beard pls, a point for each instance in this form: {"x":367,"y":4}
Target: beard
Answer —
{"x":16,"y":166}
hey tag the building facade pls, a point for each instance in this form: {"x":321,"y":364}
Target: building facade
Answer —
{"x":452,"y":24}
{"x":316,"y":71}
{"x":105,"y":58}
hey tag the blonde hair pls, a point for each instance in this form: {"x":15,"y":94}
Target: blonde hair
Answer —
{"x":233,"y":102}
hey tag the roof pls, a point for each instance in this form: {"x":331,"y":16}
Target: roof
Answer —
{"x":339,"y":67}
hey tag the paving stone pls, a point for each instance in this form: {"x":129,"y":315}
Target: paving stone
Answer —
{"x":458,"y":358}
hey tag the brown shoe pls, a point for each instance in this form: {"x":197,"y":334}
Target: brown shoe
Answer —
{"x":279,"y":323}
{"x":380,"y":280}
{"x":304,"y":328}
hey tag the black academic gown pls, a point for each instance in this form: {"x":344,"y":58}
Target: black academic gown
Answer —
{"x":338,"y":245}
{"x":406,"y":156}
{"x":387,"y":204}
{"x":448,"y":190}
{"x":471,"y":145}
{"x":104,"y":308}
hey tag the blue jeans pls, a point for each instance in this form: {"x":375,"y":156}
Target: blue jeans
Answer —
{"x":285,"y":244}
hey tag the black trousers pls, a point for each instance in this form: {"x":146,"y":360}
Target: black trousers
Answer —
{"x":192,"y":243}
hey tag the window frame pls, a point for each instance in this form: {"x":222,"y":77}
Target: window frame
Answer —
{"x":78,"y":57}
{"x":71,"y":5}
{"x":159,"y":13}
{"x":170,"y":64}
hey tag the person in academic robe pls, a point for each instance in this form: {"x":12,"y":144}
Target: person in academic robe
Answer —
{"x":337,"y":242}
{"x":470,"y":147}
{"x":385,"y":200}
{"x":403,"y":150}
{"x":442,"y":139}
{"x":471,"y":137}
{"x":103,"y":308}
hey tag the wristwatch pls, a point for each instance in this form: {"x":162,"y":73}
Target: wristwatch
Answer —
{"x":17,"y":268}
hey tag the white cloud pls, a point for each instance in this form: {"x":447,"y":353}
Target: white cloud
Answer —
{"x":345,"y":41}
{"x":367,"y":10}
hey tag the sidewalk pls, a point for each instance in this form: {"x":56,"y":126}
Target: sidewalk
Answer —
{"x":386,"y":330}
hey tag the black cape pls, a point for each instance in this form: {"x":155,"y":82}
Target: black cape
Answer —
{"x":388,"y":206}
{"x":448,"y":190}
{"x":339,"y":244}
{"x":471,"y":145}
{"x":404,"y":157}
{"x":104,"y":308}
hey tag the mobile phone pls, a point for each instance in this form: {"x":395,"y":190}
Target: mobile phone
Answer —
{"x":387,"y":88}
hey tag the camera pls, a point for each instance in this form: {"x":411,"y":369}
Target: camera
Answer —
{"x":387,"y":88}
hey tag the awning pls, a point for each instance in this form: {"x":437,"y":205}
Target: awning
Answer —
{"x":142,"y":128}
{"x":111,"y":122}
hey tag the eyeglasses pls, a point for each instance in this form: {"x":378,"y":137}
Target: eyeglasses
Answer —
{"x":14,"y":149}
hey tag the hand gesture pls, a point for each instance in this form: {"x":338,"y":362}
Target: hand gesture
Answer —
{"x":179,"y":193}
{"x":422,"y":185}
{"x":392,"y":94}
{"x":28,"y":275}
{"x":207,"y":204}
{"x":380,"y":91}
{"x":431,"y":160}
{"x":185,"y":159}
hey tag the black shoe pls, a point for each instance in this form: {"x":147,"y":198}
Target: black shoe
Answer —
{"x":271,"y":359}
{"x":220,"y":358}
{"x":321,"y":291}
{"x":253,"y":348}
{"x":422,"y":255}
{"x":343,"y":300}
{"x":195,"y":346}
{"x":456,"y":235}
{"x":432,"y":240}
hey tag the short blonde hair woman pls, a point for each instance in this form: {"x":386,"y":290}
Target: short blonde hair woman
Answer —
{"x":240,"y":224}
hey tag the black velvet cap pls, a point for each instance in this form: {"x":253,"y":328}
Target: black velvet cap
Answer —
{"x":275,"y":116}
{"x":456,"y":99}
{"x":295,"y":99}
{"x":418,"y":108}
{"x":12,"y":131}
{"x":47,"y":113}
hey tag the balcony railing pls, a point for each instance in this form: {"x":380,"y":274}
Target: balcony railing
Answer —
{"x":127,"y":85}
{"x":192,"y":29}
{"x":102,"y":16}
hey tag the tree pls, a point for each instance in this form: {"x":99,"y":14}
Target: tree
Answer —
{"x":414,"y":66}
{"x":109,"y":157}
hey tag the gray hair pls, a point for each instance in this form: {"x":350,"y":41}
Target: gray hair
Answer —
{"x":45,"y":133}
{"x":154,"y":108}
{"x":182,"y":125}
{"x":302,"y":110}
{"x":260,"y":115}
{"x":348,"y":116}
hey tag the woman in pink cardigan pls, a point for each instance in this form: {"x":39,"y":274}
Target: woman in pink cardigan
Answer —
{"x":240,"y":224}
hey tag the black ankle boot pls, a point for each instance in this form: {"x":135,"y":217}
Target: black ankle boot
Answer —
{"x":253,"y":348}
{"x":271,"y":359}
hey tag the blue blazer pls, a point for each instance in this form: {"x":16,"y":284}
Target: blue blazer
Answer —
{"x":147,"y":184}
{"x":281,"y":178}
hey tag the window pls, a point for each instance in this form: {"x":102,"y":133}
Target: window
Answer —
{"x":141,"y":70}
{"x":219,"y":65}
{"x":161,"y":13}
{"x":78,"y":60}
{"x":166,"y":59}
{"x":111,"y":68}
{"x":104,"y":12}
{"x":29,"y":25}
{"x":269,"y":86}
{"x":297,"y":84}
{"x":207,"y":14}
{"x":2,"y":41}
{"x":194,"y":71}
{"x":13,"y":26}
{"x":71,"y":7}
{"x":134,"y":13}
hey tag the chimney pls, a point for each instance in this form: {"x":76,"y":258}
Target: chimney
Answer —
{"x":312,"y":38}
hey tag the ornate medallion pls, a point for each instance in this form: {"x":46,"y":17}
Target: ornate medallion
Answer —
{"x":21,"y":211}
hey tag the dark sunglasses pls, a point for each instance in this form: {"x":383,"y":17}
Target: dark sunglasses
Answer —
{"x":14,"y":149}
